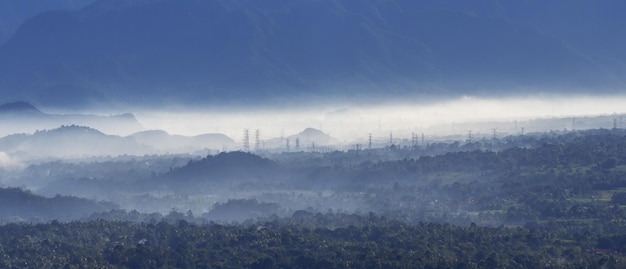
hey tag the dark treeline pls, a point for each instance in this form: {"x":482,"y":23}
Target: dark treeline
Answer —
{"x":317,"y":241}
{"x":17,"y":205}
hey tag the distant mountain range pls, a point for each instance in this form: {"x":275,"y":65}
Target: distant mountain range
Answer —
{"x":80,"y":141}
{"x":23,"y":117}
{"x":160,"y":52}
{"x":70,"y":141}
{"x":32,"y":132}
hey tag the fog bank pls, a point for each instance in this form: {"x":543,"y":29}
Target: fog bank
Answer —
{"x":355,"y":122}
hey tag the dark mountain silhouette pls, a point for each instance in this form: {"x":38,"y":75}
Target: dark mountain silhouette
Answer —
{"x":19,"y":109}
{"x":219,"y":52}
{"x":234,"y":166}
{"x":21,"y":205}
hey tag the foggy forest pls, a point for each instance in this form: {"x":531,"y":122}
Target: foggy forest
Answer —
{"x":312,"y":134}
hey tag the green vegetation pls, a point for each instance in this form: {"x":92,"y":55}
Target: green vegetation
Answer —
{"x":309,"y":241}
{"x":556,"y":200}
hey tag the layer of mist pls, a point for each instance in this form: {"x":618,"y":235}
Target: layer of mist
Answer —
{"x":235,"y":165}
{"x":351,"y":123}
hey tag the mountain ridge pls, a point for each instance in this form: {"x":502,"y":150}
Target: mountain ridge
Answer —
{"x":19,"y":107}
{"x":81,"y":141}
{"x":243,"y":52}
{"x":24,"y":117}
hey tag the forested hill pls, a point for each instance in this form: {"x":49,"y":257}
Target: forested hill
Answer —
{"x":17,"y":205}
{"x":220,"y":169}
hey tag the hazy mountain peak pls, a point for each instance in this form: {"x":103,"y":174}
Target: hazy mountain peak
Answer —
{"x":127,"y":116}
{"x":311,"y":132}
{"x":19,"y":107}
{"x":310,"y":136}
{"x":72,"y":129}
{"x":147,"y":133}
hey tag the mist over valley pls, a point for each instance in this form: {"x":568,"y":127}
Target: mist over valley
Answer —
{"x":312,"y":134}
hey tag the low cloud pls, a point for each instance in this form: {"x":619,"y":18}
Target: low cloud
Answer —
{"x":8,"y":162}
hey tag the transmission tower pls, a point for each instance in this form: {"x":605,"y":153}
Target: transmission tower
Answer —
{"x":287,"y":145}
{"x":246,"y":140}
{"x":493,"y":138}
{"x":257,"y":140}
{"x":297,"y":144}
{"x":369,"y":142}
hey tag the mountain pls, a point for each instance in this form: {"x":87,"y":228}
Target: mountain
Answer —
{"x":70,"y":141}
{"x":164,"y":142}
{"x":23,"y":117}
{"x":213,"y":171}
{"x":19,"y":109}
{"x":159,"y":52}
{"x":82,"y":141}
{"x":14,"y":12}
{"x":308,"y":138}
